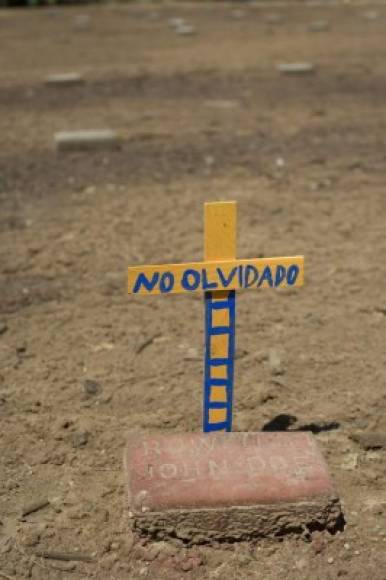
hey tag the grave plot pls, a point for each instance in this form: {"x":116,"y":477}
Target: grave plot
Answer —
{"x":85,"y":368}
{"x":244,"y":485}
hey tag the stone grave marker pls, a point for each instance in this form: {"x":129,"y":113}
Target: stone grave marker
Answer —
{"x":185,"y":30}
{"x":219,"y":484}
{"x":319,"y":26}
{"x":296,"y":68}
{"x":87,"y":140}
{"x":82,"y":21}
{"x":64,"y":79}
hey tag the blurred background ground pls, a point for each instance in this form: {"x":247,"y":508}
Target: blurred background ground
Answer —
{"x":204,"y":116}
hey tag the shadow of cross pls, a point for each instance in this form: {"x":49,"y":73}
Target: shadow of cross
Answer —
{"x":218,"y":277}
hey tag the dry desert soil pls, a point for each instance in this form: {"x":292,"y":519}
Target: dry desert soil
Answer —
{"x":204,"y":116}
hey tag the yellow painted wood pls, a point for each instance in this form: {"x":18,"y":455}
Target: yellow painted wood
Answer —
{"x":217,"y":415}
{"x":220,"y":225}
{"x":209,"y":272}
{"x":219,"y":346}
{"x":219,"y":372}
{"x":218,"y":395}
{"x":220,"y":317}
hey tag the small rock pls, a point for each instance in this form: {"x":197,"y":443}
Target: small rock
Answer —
{"x":176,"y":22}
{"x":274,"y":363}
{"x":238,"y":14}
{"x":90,"y":190}
{"x":80,"y":439}
{"x":296,"y":68}
{"x":185,"y":30}
{"x":274,"y":19}
{"x":301,"y":564}
{"x":109,"y":561}
{"x":92,"y":387}
{"x":370,"y":440}
{"x":190,"y":563}
{"x":318,"y":542}
{"x":330,"y":560}
{"x":350,"y":462}
{"x":82,"y":21}
{"x":3,"y":328}
{"x":319,"y":26}
{"x":64,"y":566}
{"x":371,"y":15}
{"x":30,"y":538}
{"x":150,"y":554}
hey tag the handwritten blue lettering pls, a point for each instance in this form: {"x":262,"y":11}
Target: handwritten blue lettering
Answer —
{"x":266,"y":275}
{"x":206,"y":285}
{"x":225,"y":281}
{"x":190,"y":285}
{"x":249,"y":269}
{"x":292,"y":274}
{"x":280,"y":275}
{"x":167,"y":282}
{"x":143,"y":281}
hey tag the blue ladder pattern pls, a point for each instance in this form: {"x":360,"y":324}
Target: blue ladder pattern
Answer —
{"x":219,"y":360}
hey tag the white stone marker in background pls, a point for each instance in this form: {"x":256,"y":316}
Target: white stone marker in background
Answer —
{"x":274,"y":19}
{"x":176,"y":22}
{"x":296,"y":68}
{"x":65,"y":79}
{"x":86,"y":140}
{"x":82,"y":21}
{"x":371,"y":15}
{"x":319,"y":26}
{"x":185,"y":30}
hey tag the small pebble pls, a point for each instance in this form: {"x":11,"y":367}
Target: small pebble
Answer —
{"x":175,"y":22}
{"x":274,"y":19}
{"x":274,"y":363}
{"x":92,"y":387}
{"x":82,"y":21}
{"x":80,"y":439}
{"x":318,"y":26}
{"x":371,"y":15}
{"x":330,"y":560}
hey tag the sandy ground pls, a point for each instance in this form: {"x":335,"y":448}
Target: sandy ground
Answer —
{"x":202,"y":117}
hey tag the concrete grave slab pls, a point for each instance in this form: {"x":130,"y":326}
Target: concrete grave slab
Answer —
{"x":86,"y":140}
{"x":319,"y":26}
{"x":296,"y":68}
{"x":65,"y":79}
{"x":185,"y":30}
{"x":199,"y":486}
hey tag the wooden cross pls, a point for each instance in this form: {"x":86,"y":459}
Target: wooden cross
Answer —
{"x":218,"y":276}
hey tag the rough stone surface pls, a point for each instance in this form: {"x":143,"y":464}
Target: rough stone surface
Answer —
{"x":236,"y":485}
{"x":86,"y":140}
